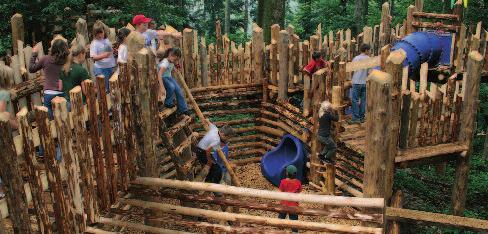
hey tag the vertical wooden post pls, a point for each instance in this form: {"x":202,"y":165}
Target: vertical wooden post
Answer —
{"x":385,"y":24}
{"x":96,"y":149}
{"x":414,"y":119}
{"x":419,"y":5}
{"x":397,"y":202}
{"x":212,"y":72}
{"x":283,"y":53}
{"x":275,"y":33}
{"x":218,"y":51}
{"x":319,"y":95}
{"x":17,"y":23}
{"x":394,"y":67}
{"x":409,"y":27}
{"x":204,"y":62}
{"x":187,"y":56}
{"x":378,"y":114}
{"x":53,"y":173}
{"x":40,"y":203}
{"x":273,"y":48}
{"x":82,"y":149}
{"x":258,"y":52}
{"x":107,"y":144}
{"x":82,"y":30}
{"x":118,"y":130}
{"x":466,"y":134}
{"x":12,"y":178}
{"x":70,"y":158}
{"x":405,"y":117}
{"x":330,"y":178}
{"x":147,"y":158}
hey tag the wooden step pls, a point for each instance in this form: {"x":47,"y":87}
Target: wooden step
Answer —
{"x":167,"y":112}
{"x":186,"y":143}
{"x":177,"y":127}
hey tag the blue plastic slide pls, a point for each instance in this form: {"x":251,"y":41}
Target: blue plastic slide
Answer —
{"x":274,"y":162}
{"x":429,"y":46}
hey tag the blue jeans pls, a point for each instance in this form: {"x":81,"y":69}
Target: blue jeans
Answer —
{"x":173,"y":89}
{"x":47,"y":103}
{"x":291,"y":216}
{"x":358,"y":101}
{"x":107,"y":73}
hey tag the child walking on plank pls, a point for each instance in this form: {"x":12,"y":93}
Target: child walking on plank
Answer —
{"x":168,"y":86}
{"x":327,"y":115}
{"x":290,"y":185}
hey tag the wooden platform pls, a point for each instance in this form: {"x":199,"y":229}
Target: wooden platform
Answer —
{"x":353,"y":139}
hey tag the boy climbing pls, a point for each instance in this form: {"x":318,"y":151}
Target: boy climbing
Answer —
{"x":213,"y":139}
{"x":316,"y":63}
{"x":167,"y":84}
{"x":290,"y":185}
{"x":326,"y":115}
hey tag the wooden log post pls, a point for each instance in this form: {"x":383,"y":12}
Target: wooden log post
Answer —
{"x":82,"y":29}
{"x":394,"y":67}
{"x":84,"y":159}
{"x":283,"y":60}
{"x":404,"y":119}
{"x":273,"y":48}
{"x":378,"y":115}
{"x":466,"y":134}
{"x":107,"y":143}
{"x":414,"y":119}
{"x":234,"y":178}
{"x":385,"y":24}
{"x":118,"y":130}
{"x":63,"y":221}
{"x":17,"y":24}
{"x":148,"y":165}
{"x":187,"y":56}
{"x":13,"y":183}
{"x":204,"y":62}
{"x":319,"y":95}
{"x":409,"y":22}
{"x":397,"y":202}
{"x":257,"y":54}
{"x":70,"y":158}
{"x":35,"y":181}
{"x":101,"y":179}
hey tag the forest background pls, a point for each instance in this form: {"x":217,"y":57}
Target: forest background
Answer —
{"x":424,"y":189}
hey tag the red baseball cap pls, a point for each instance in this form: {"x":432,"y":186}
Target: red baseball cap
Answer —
{"x":140,"y":19}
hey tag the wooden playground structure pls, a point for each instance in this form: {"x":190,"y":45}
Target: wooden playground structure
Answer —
{"x":139,"y":160}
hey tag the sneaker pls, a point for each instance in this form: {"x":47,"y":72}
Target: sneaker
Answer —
{"x":363,"y":120}
{"x":169,"y":106}
{"x":353,"y":121}
{"x":187,"y":112}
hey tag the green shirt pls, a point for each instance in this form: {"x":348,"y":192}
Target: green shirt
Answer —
{"x":75,"y":76}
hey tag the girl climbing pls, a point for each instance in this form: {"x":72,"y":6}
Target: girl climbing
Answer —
{"x":171,"y":87}
{"x":326,"y":115}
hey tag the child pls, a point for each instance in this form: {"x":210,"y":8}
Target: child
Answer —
{"x":52,"y":65}
{"x":326,"y":116}
{"x":101,"y":52}
{"x":359,"y":87}
{"x":74,"y":73}
{"x":315,"y":64}
{"x":172,"y":88}
{"x":213,"y":139}
{"x":122,"y":41}
{"x":290,"y":185}
{"x":141,"y":23}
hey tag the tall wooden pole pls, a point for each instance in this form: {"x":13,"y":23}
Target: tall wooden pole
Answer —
{"x":233,"y":176}
{"x":283,"y":60}
{"x":394,"y":67}
{"x":12,"y":178}
{"x":378,"y":115}
{"x":17,"y":31}
{"x":466,"y":133}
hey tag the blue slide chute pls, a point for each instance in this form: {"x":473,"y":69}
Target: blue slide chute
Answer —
{"x":289,"y":151}
{"x":429,"y":46}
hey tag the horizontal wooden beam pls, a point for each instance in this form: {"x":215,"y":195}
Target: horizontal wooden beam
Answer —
{"x":221,"y":87}
{"x":249,"y":192}
{"x":418,"y":153}
{"x":400,"y":214}
{"x":452,"y":28}
{"x":429,"y":15}
{"x":265,"y":221}
{"x":138,"y":226}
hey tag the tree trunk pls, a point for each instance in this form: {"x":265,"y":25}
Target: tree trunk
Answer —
{"x":358,"y":16}
{"x":273,"y":13}
{"x":227,"y":18}
{"x":260,"y":14}
{"x":246,"y":16}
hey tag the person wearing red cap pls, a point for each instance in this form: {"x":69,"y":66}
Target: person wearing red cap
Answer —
{"x":141,"y":23}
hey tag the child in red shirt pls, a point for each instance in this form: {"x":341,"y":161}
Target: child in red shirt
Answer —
{"x":290,"y":185}
{"x":315,"y":64}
